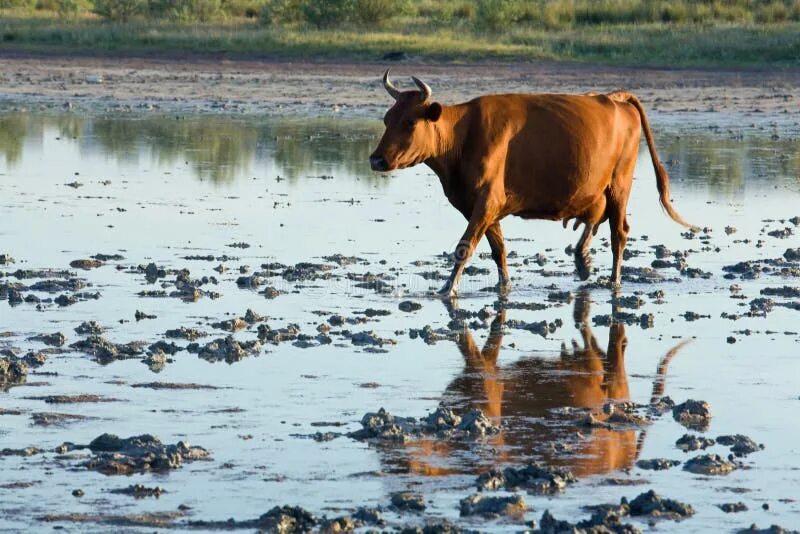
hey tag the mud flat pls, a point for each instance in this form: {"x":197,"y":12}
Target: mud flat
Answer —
{"x":231,"y":324}
{"x":321,"y":87}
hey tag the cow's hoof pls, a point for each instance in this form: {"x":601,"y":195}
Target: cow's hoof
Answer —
{"x":503,"y":287}
{"x":448,"y":291}
{"x":583,"y":266}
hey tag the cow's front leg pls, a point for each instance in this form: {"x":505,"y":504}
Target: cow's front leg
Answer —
{"x":482,"y":218}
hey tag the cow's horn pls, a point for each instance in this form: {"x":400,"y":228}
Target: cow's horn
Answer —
{"x":391,"y":89}
{"x":425,"y":91}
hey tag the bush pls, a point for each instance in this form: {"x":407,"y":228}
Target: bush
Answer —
{"x":327,"y":13}
{"x":185,"y":10}
{"x":277,"y":12}
{"x":242,"y":8}
{"x":119,"y":10}
{"x":11,"y":4}
{"x":773,"y":12}
{"x":377,"y":12}
{"x":68,"y":9}
{"x":496,"y":15}
{"x":330,"y":13}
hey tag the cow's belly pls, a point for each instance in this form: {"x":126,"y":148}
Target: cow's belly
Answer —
{"x":569,"y":203}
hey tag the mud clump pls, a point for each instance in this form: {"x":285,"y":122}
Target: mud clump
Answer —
{"x":13,"y":372}
{"x":773,"y":529}
{"x":383,"y":426}
{"x":534,"y":479}
{"x":139,"y":491}
{"x":139,"y":454}
{"x":407,"y":501}
{"x":106,"y":351}
{"x":644,"y":320}
{"x":56,"y":419}
{"x":694,"y":415}
{"x":785,"y":291}
{"x":367,"y":338}
{"x":733,"y":507}
{"x":740,"y":444}
{"x":144,"y":519}
{"x":709,"y":464}
{"x":487,"y":506}
{"x":443,"y":423}
{"x":337,"y":525}
{"x":652,"y":505}
{"x":189,"y":334}
{"x":89,"y":328}
{"x":253,"y":281}
{"x":691,"y":442}
{"x":369,"y":516}
{"x":270,"y":292}
{"x":431,"y":336}
{"x":277,"y":335}
{"x":543,"y":328}
{"x":34,"y":359}
{"x":226,"y":349}
{"x":602,"y":522}
{"x":564,"y":297}
{"x":792,"y":254}
{"x":172,"y":385}
{"x":632,"y":301}
{"x":230,"y":325}
{"x":86,"y":264}
{"x":760,"y":307}
{"x":52,"y":340}
{"x":73,"y":399}
{"x":409,"y":306}
{"x":287,"y":519}
{"x":657,"y":464}
{"x":27,"y":451}
{"x":141,"y":316}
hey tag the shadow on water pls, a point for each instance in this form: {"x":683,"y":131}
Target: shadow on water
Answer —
{"x":541,"y":402}
{"x":223,"y":149}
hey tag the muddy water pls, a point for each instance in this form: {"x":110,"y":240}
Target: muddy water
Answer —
{"x":159,"y":189}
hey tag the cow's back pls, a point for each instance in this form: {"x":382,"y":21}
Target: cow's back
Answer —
{"x":559,"y":151}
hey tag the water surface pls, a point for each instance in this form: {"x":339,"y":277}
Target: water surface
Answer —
{"x":159,"y":188}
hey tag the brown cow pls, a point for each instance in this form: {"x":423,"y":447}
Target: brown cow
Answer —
{"x":537,"y":156}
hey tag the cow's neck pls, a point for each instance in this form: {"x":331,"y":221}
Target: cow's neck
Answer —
{"x":450,"y":131}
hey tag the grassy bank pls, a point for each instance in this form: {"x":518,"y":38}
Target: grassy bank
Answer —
{"x":630,"y":36}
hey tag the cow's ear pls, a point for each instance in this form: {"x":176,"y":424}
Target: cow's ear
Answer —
{"x":433,"y":112}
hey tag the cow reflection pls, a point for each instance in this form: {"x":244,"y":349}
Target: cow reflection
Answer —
{"x":532,"y":397}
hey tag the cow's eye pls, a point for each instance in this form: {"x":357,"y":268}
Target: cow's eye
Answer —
{"x":410,"y":124}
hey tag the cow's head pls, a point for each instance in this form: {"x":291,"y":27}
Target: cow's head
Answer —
{"x":410,"y":137}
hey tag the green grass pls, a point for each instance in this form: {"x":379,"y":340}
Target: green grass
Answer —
{"x":722,"y":44}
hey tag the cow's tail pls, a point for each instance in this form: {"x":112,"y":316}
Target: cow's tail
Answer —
{"x":662,"y":178}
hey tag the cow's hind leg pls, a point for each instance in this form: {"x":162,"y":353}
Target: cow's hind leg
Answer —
{"x":617,"y":203}
{"x":583,"y":259}
{"x":591,"y":218}
{"x":619,"y":238}
{"x":494,"y":234}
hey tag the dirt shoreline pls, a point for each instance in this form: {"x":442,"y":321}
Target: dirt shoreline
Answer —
{"x":317,"y":88}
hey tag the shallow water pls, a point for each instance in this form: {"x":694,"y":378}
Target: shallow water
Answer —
{"x":158,"y":188}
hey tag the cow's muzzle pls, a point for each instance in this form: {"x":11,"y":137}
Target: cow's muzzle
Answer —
{"x":378,"y":163}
